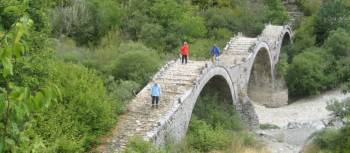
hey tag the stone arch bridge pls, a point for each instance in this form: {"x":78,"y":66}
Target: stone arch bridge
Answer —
{"x":247,"y":66}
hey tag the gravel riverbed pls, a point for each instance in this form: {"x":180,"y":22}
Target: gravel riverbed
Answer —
{"x":296,"y":122}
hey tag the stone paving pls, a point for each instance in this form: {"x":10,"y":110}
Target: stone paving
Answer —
{"x":175,"y":78}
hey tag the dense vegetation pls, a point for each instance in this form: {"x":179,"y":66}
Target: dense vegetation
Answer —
{"x":67,"y":67}
{"x":318,"y":59}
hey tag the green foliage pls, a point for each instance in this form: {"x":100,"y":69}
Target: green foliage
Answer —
{"x":11,"y":12}
{"x":243,"y":19}
{"x":338,"y":43}
{"x":310,"y":7}
{"x":215,"y":125}
{"x":85,"y":111}
{"x":191,"y":27}
{"x":268,"y":126}
{"x":332,"y":15}
{"x":151,"y":34}
{"x":138,"y":145}
{"x":283,"y":65}
{"x":138,"y":66}
{"x":204,"y":138}
{"x":200,"y":49}
{"x":218,"y":113}
{"x":86,"y":21}
{"x":304,"y":38}
{"x":205,"y":4}
{"x":18,"y":104}
{"x":276,"y":14}
{"x":220,"y":18}
{"x":123,"y":90}
{"x":328,"y":29}
{"x":335,"y":140}
{"x":306,"y":75}
{"x":340,"y":109}
{"x":327,"y":138}
{"x":343,"y":71}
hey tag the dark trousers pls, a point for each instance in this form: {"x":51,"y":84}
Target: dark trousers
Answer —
{"x":184,"y":59}
{"x":155,"y":99}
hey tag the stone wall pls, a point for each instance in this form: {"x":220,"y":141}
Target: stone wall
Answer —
{"x":175,"y":126}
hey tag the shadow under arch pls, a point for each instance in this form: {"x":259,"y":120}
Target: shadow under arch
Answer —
{"x":286,"y":40}
{"x":214,"y":100}
{"x":260,"y":83}
{"x":284,"y":45}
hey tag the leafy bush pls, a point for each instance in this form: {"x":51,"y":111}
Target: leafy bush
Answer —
{"x":200,"y":49}
{"x":338,"y":43}
{"x":306,"y":74}
{"x":137,"y":66}
{"x":304,"y":38}
{"x":85,"y":111}
{"x":334,"y":140}
{"x":276,"y":14}
{"x":218,"y":114}
{"x":123,"y":90}
{"x":330,"y":17}
{"x":341,"y":109}
{"x":327,"y":139}
{"x":310,"y":7}
{"x":138,"y":145}
{"x":86,"y":20}
{"x":268,"y":126}
{"x":215,"y":125}
{"x":203,"y":137}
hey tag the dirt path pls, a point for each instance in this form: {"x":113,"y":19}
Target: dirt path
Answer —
{"x":297,"y":121}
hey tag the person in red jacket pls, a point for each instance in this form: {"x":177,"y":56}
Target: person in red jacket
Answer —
{"x":185,"y":49}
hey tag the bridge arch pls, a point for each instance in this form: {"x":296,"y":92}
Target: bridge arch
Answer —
{"x":244,"y":62}
{"x":285,"y":40}
{"x":261,"y":77}
{"x":175,"y":128}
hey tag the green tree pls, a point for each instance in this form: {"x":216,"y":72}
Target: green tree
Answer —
{"x":276,"y":13}
{"x":191,"y":28}
{"x":85,"y":111}
{"x":303,"y":39}
{"x":152,"y":35}
{"x":338,"y":43}
{"x":136,"y":66}
{"x":18,"y":104}
{"x":87,"y":21}
{"x":310,"y":7}
{"x":306,"y":74}
{"x":332,"y":15}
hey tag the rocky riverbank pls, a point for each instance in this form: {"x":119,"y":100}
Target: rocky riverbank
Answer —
{"x":295,"y":123}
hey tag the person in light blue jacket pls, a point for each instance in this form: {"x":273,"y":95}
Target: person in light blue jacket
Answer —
{"x":155,"y":94}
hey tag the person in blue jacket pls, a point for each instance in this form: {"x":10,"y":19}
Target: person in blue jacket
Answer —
{"x":155,"y":94}
{"x":215,"y":53}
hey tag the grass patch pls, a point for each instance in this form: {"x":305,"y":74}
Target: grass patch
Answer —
{"x":268,"y":126}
